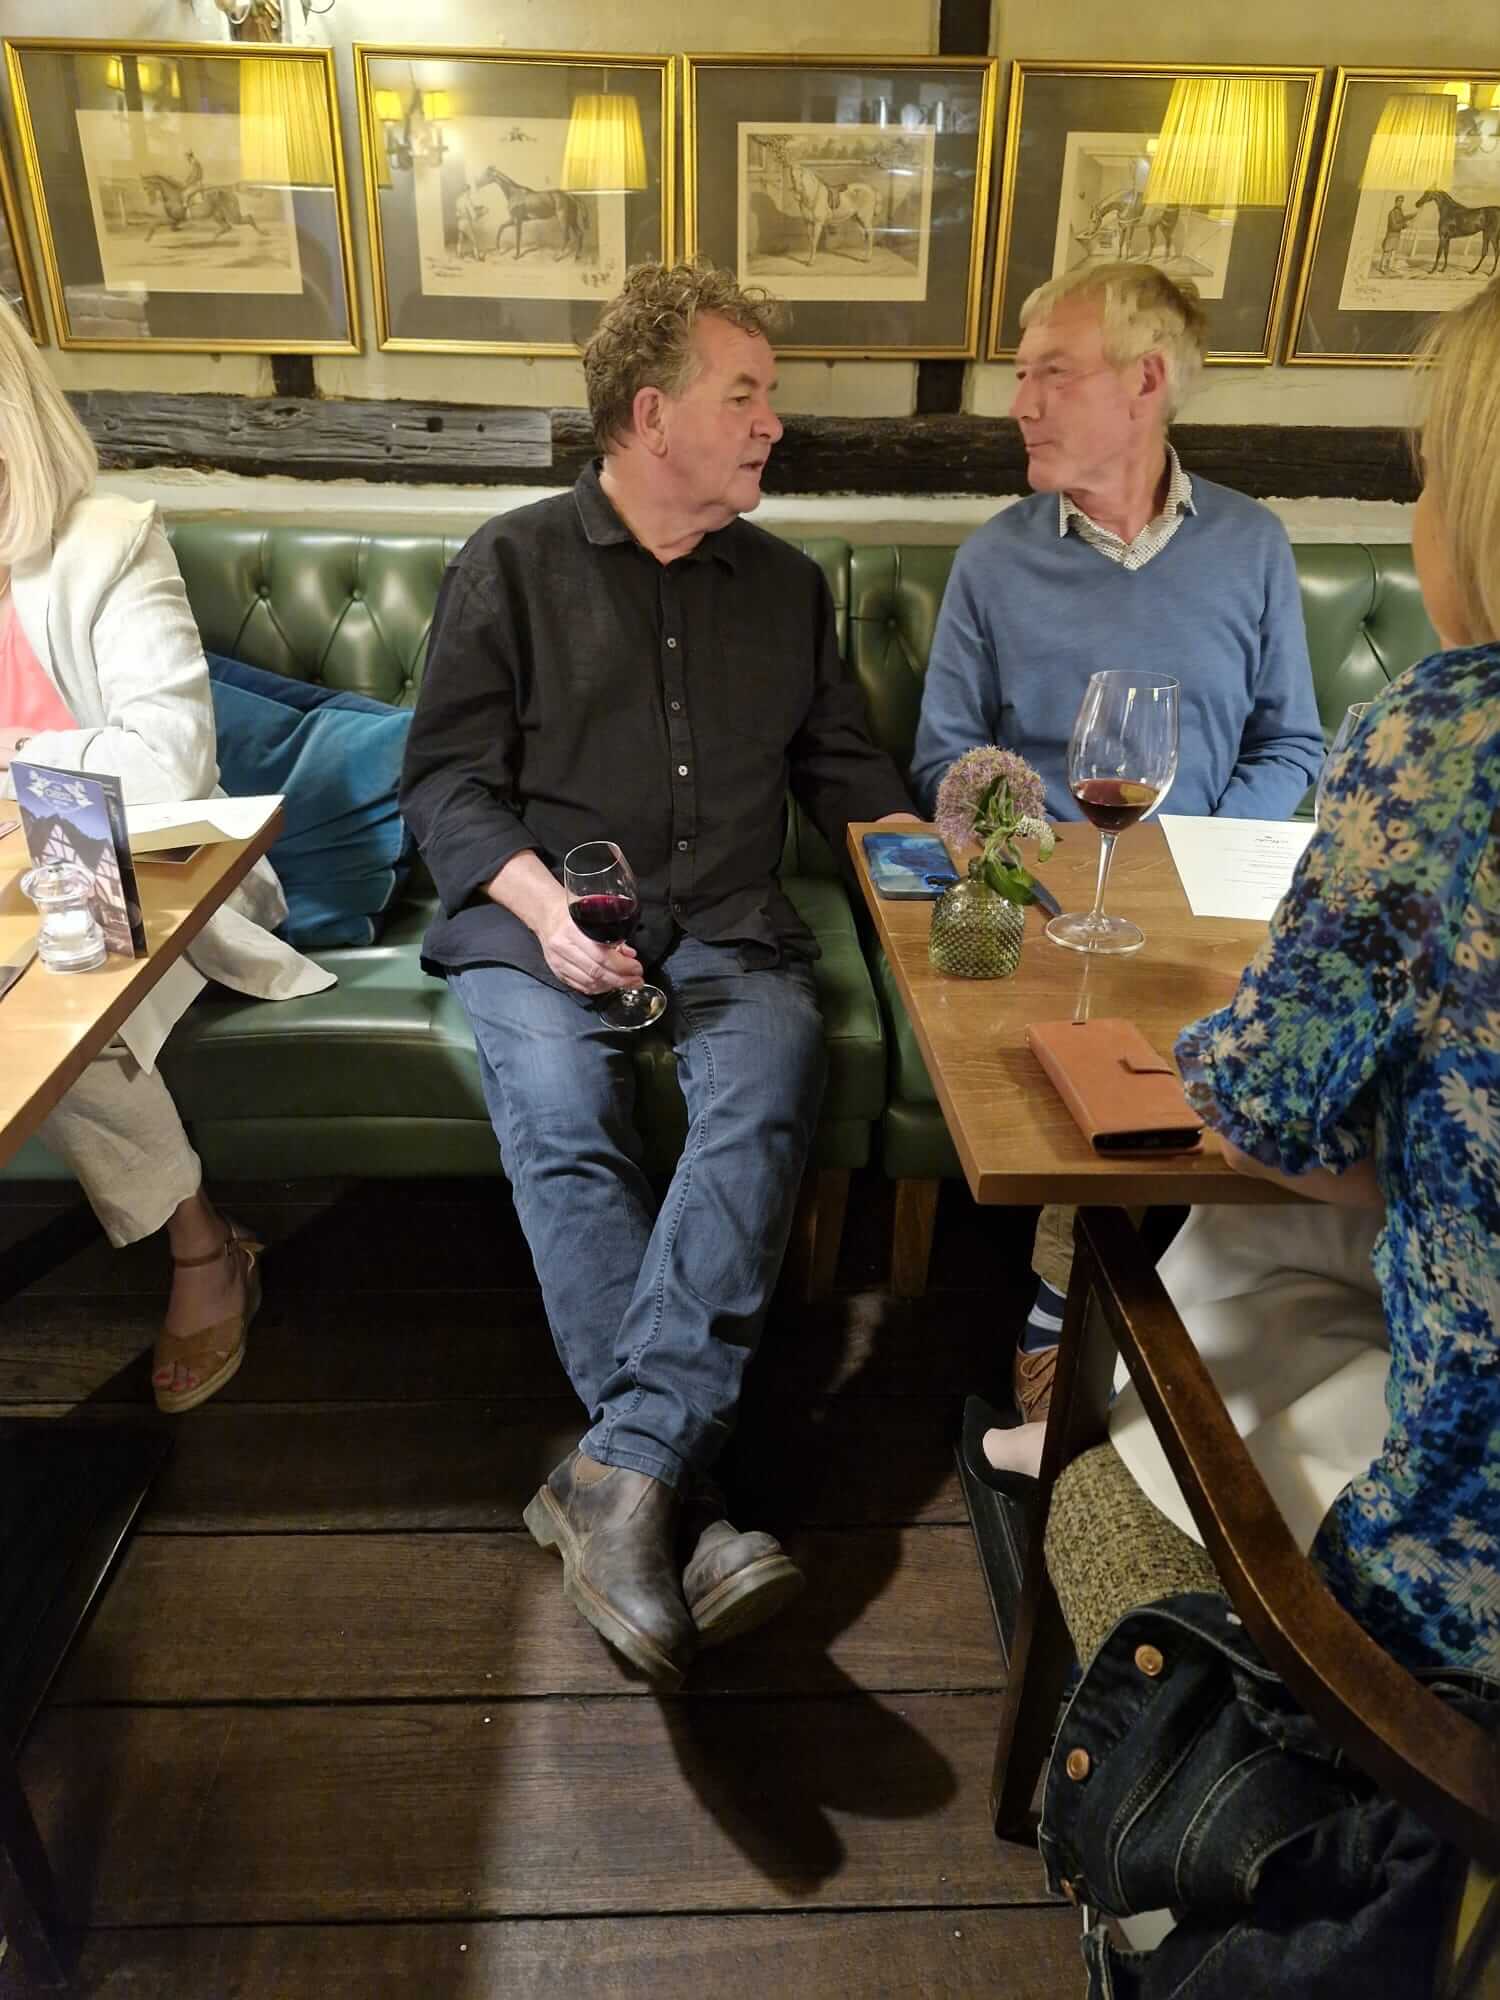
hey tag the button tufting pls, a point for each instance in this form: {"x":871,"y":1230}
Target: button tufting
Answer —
{"x":1079,"y":1765}
{"x":1149,"y":1660}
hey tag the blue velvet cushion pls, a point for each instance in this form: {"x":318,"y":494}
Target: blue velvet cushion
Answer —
{"x":344,"y":849}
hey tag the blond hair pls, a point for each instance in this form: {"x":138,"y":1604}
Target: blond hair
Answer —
{"x":645,"y":338}
{"x":1143,"y":312}
{"x":47,"y":460}
{"x":1460,"y":449}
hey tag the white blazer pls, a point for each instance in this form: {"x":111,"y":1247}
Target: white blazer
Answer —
{"x":105,"y":611}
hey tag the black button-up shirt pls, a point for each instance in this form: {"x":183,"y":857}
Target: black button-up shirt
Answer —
{"x":578,"y":689}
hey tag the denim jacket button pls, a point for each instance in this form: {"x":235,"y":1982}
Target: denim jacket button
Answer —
{"x":1078,"y":1765}
{"x":1149,"y":1660}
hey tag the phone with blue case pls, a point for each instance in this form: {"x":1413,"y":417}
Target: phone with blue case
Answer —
{"x":909,"y":866}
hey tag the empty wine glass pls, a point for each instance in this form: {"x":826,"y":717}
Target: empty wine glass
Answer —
{"x":605,"y":903}
{"x":1121,"y":763}
{"x":1348,"y":724}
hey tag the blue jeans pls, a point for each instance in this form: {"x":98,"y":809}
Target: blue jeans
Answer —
{"x":1202,"y":1787}
{"x":655,"y":1309}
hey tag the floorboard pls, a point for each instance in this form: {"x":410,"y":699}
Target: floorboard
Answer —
{"x":308,"y":1618}
{"x":1012,"y":1954}
{"x":560,"y":1807}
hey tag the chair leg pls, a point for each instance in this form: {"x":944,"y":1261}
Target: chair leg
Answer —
{"x":817,"y":1231}
{"x":1041,"y":1651}
{"x":911,"y":1238}
{"x":29,"y":1911}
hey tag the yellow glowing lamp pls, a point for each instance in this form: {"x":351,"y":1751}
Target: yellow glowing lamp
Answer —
{"x":114,"y":73}
{"x":388,"y":107}
{"x":1414,"y":142}
{"x":1223,"y":144}
{"x":437,"y":105}
{"x":605,"y":151}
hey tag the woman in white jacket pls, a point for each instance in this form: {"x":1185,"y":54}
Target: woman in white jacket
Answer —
{"x":102,"y":669}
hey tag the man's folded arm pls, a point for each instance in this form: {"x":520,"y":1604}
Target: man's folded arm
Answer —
{"x":457,"y":782}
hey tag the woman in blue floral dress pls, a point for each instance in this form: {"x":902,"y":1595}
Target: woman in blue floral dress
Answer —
{"x":1360,"y":1059}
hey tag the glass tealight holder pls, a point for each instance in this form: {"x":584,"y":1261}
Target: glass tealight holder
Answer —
{"x":69,"y":938}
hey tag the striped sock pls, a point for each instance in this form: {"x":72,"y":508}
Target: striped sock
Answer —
{"x":1044,"y":1322}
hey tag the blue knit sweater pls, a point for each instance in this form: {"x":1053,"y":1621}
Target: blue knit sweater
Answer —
{"x":1028,"y":615}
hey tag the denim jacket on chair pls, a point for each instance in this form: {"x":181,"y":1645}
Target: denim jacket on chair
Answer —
{"x":1185,"y":1777}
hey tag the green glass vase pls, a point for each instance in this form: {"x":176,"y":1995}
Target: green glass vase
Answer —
{"x":976,"y":933}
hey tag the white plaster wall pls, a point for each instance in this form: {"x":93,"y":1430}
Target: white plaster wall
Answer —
{"x":352,"y":503}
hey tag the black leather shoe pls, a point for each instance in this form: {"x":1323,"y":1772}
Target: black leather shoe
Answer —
{"x":979,"y":1417}
{"x":733,"y":1581}
{"x":615,"y":1531}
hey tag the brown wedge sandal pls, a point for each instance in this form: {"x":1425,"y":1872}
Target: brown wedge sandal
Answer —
{"x":213,"y":1353}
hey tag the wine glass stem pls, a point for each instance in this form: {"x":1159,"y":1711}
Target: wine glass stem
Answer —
{"x":1106,"y":855}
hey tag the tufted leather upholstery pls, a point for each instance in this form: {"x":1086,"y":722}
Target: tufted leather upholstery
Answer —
{"x":378,"y":1076}
{"x":1365,"y":625}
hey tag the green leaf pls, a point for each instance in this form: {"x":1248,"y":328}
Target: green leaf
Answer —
{"x":1016,"y":885}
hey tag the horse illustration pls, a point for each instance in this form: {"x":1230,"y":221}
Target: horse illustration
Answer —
{"x":1131,"y":213}
{"x":821,"y":204}
{"x":1456,"y":220}
{"x":182,"y":204}
{"x":526,"y":204}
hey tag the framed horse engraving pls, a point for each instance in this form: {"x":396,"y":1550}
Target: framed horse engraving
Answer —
{"x":509,"y":193}
{"x":854,"y":188}
{"x":1195,"y":168}
{"x":190,"y":195}
{"x":1406,"y":218}
{"x":17,"y":285}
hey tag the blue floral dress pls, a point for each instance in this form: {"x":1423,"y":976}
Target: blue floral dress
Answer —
{"x":1370,"y":1021}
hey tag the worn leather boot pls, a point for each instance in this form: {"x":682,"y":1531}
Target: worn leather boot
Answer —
{"x":733,"y":1582}
{"x":615,"y":1532}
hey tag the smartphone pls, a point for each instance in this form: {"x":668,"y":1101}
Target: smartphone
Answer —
{"x":909,"y":866}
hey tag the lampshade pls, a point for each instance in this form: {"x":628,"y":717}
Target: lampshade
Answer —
{"x":1223,"y":144}
{"x":436,"y":104}
{"x":1414,"y":142}
{"x":114,"y":73}
{"x":388,"y":106}
{"x":284,"y":123}
{"x":606,"y":149}
{"x":148,"y":73}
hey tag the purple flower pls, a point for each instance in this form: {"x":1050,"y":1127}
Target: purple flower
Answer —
{"x":961,"y":813}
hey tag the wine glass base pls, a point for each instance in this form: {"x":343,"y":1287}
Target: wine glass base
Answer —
{"x":1116,"y":936}
{"x":633,"y":1007}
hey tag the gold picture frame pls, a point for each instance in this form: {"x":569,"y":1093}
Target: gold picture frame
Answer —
{"x":1083,"y":143}
{"x":854,"y":188}
{"x":479,"y":245}
{"x":1375,"y":274}
{"x":17,"y":279}
{"x":190,"y":196}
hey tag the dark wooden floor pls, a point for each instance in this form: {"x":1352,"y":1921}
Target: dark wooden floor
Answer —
{"x":335,"y":1733}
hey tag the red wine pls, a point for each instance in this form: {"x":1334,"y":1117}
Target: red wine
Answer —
{"x":1114,"y":803}
{"x":605,"y":919}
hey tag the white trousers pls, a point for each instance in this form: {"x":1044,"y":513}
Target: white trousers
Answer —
{"x":1283,"y":1307}
{"x":119,"y":1131}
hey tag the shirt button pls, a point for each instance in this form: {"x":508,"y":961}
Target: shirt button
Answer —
{"x":682,"y":847}
{"x":677,"y":708}
{"x":682,"y":770}
{"x":1078,"y":1765}
{"x":671,"y":642}
{"x":1149,"y":1660}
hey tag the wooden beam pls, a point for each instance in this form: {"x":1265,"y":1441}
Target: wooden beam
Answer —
{"x":467,"y":444}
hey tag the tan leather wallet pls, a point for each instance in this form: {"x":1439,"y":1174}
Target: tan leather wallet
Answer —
{"x":1125,"y":1097}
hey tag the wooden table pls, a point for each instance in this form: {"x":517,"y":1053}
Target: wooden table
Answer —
{"x":1019,"y":1144}
{"x":71,"y":1492}
{"x":1016,"y":1139}
{"x":52,"y":1025}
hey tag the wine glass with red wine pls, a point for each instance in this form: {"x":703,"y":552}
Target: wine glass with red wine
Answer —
{"x":605,"y":903}
{"x":1121,"y":763}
